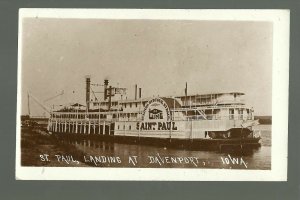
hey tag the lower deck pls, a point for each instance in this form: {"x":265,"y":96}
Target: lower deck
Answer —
{"x":190,"y":130}
{"x":193,"y":144}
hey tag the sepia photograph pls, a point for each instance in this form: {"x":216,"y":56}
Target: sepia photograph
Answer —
{"x":133,"y":94}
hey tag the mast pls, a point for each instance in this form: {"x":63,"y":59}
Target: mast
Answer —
{"x":88,"y":91}
{"x":105,"y":88}
{"x":135,"y":92}
{"x":28,"y":105}
{"x":185,"y":92}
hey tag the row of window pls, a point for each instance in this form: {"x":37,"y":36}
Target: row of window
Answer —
{"x":130,"y":105}
{"x":129,"y":127}
{"x":91,"y":116}
{"x":128,"y":115}
{"x":78,"y":116}
{"x":123,"y":104}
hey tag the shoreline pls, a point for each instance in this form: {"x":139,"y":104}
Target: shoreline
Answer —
{"x":35,"y":144}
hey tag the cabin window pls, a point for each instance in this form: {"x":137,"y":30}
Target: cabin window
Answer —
{"x":240,"y":112}
{"x":216,"y":113}
{"x":118,"y":127}
{"x":124,"y":127}
{"x":129,"y":127}
{"x":248,"y":114}
{"x":136,"y":105}
{"x":231,"y":113}
{"x":125,"y":105}
{"x":130,"y":105}
{"x":208,"y":113}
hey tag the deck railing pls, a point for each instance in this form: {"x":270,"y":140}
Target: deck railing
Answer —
{"x":175,"y":118}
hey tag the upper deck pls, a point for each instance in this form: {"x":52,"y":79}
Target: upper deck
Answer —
{"x":115,"y":105}
{"x":194,"y":107}
{"x":232,"y":98}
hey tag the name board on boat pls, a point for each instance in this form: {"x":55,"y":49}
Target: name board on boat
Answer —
{"x":156,"y":116}
{"x":156,"y":109}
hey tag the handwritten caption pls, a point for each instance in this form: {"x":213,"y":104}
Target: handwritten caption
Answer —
{"x":134,"y":160}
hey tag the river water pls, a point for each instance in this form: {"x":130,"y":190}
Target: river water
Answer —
{"x":107,"y":154}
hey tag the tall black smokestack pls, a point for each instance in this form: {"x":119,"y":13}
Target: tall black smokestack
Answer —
{"x":140,"y":93}
{"x":135,"y":94}
{"x":105,"y":88}
{"x":87,"y":93}
{"x":109,"y":98}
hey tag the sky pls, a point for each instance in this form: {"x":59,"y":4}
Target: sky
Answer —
{"x":160,"y":56}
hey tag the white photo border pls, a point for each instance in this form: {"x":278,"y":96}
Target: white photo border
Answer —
{"x":280,"y":88}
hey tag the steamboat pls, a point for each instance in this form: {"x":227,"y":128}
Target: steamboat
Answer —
{"x":196,"y":121}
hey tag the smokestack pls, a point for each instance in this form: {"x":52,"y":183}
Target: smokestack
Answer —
{"x":87,"y":89}
{"x":185,"y":90}
{"x":109,"y":98}
{"x":140,"y":93}
{"x":105,"y":89}
{"x":135,"y":93}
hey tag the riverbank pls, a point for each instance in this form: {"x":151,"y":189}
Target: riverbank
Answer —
{"x":35,"y":144}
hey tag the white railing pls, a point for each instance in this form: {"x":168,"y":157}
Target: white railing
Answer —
{"x":176,"y":118}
